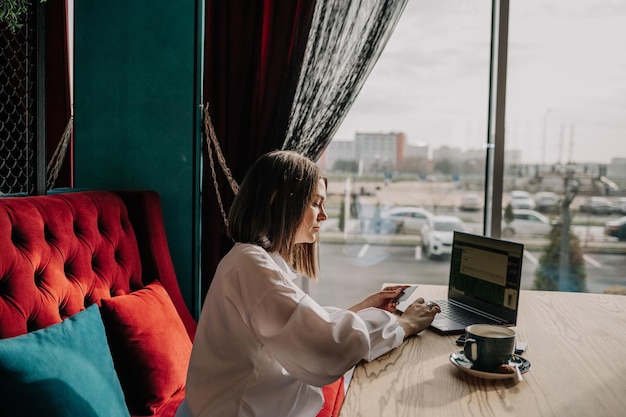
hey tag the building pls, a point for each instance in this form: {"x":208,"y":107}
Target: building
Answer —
{"x":419,"y":150}
{"x":374,"y":152}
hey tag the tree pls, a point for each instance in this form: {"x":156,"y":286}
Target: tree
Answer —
{"x":418,"y":165}
{"x":547,"y":275}
{"x":508,"y":218}
{"x":343,"y":165}
{"x":445,"y":166}
{"x":12,"y":13}
{"x":342,"y":214}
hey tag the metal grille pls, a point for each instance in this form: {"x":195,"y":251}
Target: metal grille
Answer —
{"x":18,"y":108}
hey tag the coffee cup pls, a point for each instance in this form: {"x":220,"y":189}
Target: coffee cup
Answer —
{"x":488,"y":346}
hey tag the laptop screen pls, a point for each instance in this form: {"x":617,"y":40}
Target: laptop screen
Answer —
{"x":485,"y":273}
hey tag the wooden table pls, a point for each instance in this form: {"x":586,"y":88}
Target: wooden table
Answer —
{"x":576,"y":347}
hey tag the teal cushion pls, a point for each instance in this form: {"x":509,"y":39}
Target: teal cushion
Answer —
{"x":63,"y":370}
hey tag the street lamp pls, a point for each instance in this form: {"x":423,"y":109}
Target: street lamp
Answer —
{"x":571,"y":188}
{"x":544,"y":137}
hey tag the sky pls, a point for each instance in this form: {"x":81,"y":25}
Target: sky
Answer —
{"x":566,"y":79}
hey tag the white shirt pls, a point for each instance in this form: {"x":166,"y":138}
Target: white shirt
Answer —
{"x":264,"y":348}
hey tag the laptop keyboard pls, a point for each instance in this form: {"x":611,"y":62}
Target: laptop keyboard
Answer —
{"x":461,"y":315}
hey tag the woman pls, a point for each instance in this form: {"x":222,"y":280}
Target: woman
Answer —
{"x":263,"y":347}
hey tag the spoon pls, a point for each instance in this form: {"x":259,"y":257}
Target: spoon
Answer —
{"x":515,"y":365}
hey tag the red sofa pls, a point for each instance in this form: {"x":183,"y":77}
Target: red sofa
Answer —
{"x":59,"y":255}
{"x":62,"y":253}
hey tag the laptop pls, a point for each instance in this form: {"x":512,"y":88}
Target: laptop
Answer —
{"x":484,"y":284}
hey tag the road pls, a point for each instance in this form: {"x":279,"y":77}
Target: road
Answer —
{"x":351,"y":271}
{"x":584,"y":233}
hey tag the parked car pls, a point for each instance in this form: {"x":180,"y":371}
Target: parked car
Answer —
{"x":616,"y":228}
{"x":437,"y":235}
{"x":470,"y":202}
{"x":527,"y":222}
{"x":619,"y":205}
{"x":372,"y":221}
{"x":521,"y":200}
{"x":546,"y":202}
{"x":596,"y":205}
{"x":411,"y":219}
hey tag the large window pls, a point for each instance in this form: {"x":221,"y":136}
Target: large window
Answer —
{"x":414,"y":146}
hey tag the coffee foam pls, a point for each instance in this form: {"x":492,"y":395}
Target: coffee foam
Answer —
{"x":492,"y":334}
{"x":491,"y":331}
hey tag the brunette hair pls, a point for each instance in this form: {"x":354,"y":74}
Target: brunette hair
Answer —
{"x":270,"y":204}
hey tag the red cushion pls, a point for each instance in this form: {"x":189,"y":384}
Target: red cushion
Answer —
{"x":149,"y":345}
{"x":334,"y":395}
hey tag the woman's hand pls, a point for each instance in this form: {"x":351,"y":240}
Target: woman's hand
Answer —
{"x":384,"y":299}
{"x":418,"y":316}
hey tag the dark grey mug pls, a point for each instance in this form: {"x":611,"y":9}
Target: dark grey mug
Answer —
{"x":488,"y":346}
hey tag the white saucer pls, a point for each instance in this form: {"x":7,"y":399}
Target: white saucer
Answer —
{"x":460,"y":361}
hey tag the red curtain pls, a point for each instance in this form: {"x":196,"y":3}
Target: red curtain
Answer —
{"x":252,"y":56}
{"x":57,"y":84}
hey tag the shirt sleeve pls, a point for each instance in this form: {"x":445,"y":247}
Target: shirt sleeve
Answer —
{"x":318,"y":345}
{"x":381,"y":330}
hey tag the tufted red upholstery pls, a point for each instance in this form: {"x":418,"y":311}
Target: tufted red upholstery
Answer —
{"x":60,"y":253}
